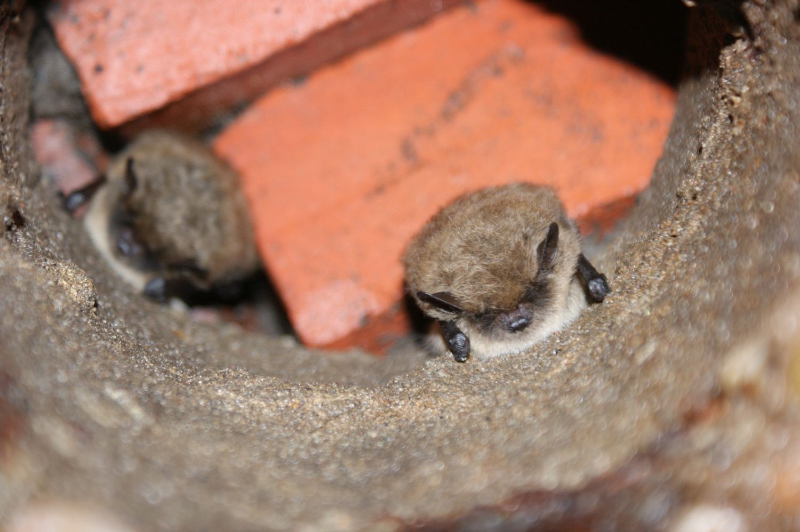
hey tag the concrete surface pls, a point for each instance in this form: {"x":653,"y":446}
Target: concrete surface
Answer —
{"x":646,"y":411}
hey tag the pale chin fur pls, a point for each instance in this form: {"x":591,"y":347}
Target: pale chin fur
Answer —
{"x":483,"y":347}
{"x":97,"y":222}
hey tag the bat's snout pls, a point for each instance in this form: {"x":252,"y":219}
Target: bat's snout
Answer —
{"x":517,"y":320}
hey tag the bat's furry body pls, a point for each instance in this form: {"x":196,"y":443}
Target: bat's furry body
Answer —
{"x":170,"y":208}
{"x":500,"y":267}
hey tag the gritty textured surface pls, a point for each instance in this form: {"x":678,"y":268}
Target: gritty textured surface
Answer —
{"x":166,"y":424}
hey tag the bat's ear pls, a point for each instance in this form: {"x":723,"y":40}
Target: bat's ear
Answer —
{"x":443,"y":301}
{"x":548,"y":248}
{"x":131,"y":181}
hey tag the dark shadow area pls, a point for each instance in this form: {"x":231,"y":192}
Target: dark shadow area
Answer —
{"x":253,"y":303}
{"x":650,"y":35}
{"x":420,"y":323}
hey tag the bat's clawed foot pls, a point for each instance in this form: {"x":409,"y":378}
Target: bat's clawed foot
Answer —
{"x":156,"y":289}
{"x":457,"y":341}
{"x":596,"y":282}
{"x":74,"y":201}
{"x":598,"y":288}
{"x":162,"y":289}
{"x":78,"y":198}
{"x":459,"y":346}
{"x":128,"y":245}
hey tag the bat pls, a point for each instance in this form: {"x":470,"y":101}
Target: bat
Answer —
{"x":500,"y":269}
{"x":169,"y":216}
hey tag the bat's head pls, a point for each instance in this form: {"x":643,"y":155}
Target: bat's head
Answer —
{"x":507,"y":302}
{"x":171,"y":209}
{"x":183,"y":204}
{"x":499,"y":266}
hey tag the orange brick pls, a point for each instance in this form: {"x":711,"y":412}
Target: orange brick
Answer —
{"x":342,"y":171}
{"x":69,"y":158}
{"x":202,"y":58}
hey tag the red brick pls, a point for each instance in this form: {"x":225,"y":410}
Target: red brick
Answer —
{"x":342,"y":171}
{"x":202,"y":58}
{"x":69,"y":158}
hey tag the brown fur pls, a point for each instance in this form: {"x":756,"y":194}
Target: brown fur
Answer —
{"x":186,"y":208}
{"x":482,"y":249}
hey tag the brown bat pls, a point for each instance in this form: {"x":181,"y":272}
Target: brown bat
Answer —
{"x":500,"y":269}
{"x":169,"y":213}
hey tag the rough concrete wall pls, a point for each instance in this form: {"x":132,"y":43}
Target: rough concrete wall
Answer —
{"x":16,"y":161}
{"x":108,"y":398}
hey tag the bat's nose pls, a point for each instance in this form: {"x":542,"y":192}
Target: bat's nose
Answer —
{"x":519,"y":324}
{"x":517,"y":320}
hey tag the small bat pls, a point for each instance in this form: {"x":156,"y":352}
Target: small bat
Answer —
{"x":501,"y":269}
{"x":169,"y":217}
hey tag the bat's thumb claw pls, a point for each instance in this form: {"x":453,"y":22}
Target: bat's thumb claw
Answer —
{"x":598,"y":288}
{"x":459,"y":346}
{"x":156,"y":289}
